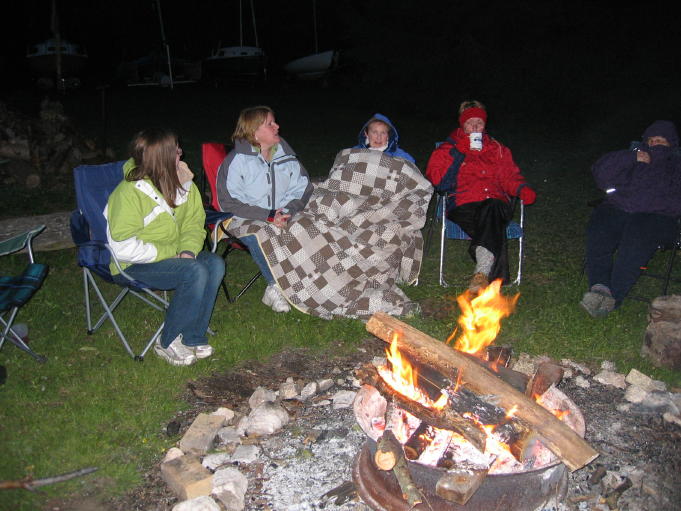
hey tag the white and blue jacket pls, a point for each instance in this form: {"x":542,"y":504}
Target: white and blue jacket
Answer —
{"x":249,"y":186}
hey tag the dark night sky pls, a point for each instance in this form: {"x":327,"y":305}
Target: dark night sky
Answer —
{"x":561,"y":38}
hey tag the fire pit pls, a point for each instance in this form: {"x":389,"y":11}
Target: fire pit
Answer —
{"x":447,"y":430}
{"x":521,"y":489}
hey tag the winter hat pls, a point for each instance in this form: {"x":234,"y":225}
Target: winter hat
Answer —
{"x":469,"y":113}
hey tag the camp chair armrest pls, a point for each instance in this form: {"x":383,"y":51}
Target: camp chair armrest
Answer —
{"x":20,"y":241}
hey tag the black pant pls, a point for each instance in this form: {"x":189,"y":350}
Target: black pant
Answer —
{"x":618,"y":244}
{"x":485,"y":222}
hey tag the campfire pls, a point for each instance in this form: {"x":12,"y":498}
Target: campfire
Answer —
{"x":455,"y":426}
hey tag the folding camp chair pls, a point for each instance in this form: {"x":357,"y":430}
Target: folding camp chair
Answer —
{"x":15,"y":291}
{"x":94,"y":184}
{"x":212,"y":155}
{"x":666,"y":277}
{"x":452,"y":231}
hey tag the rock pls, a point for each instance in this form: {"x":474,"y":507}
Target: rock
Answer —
{"x":229,"y":435}
{"x":323,"y":402}
{"x":259,"y":396}
{"x":656,"y":400}
{"x":623,"y":407}
{"x":201,"y":435}
{"x":288,"y":389}
{"x":203,"y":503}
{"x":242,"y":425}
{"x":226,"y":413}
{"x":308,"y":391}
{"x":343,"y":399}
{"x":607,"y":365}
{"x":216,"y":460}
{"x":582,"y":382}
{"x":674,"y":419}
{"x":245,"y":454}
{"x":662,"y":344}
{"x":578,"y":367}
{"x":172,"y":454}
{"x":324,"y":385}
{"x":635,"y":394}
{"x":379,"y":361}
{"x":636,"y":377}
{"x":266,"y":419}
{"x":525,"y":364}
{"x":186,"y":477}
{"x":229,"y":486}
{"x":611,"y":378}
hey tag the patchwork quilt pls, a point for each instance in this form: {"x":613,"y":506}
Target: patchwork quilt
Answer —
{"x":358,"y":237}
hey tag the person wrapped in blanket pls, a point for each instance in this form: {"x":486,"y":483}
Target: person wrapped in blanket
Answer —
{"x":156,"y":231}
{"x":640,"y":212}
{"x":480,"y":176}
{"x":379,"y":134}
{"x":262,"y":179}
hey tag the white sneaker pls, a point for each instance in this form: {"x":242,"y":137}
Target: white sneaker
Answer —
{"x":275,"y":299}
{"x":176,"y":353}
{"x":203,"y":350}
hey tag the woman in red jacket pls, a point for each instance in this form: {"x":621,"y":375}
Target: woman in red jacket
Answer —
{"x":480,"y":177}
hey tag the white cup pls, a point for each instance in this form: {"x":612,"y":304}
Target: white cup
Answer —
{"x":476,"y":141}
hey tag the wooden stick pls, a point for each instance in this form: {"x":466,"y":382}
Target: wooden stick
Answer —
{"x":556,"y":436}
{"x":32,"y":484}
{"x":444,"y":419}
{"x":410,"y":492}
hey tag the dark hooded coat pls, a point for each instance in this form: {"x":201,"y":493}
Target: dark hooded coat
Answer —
{"x":638,"y":187}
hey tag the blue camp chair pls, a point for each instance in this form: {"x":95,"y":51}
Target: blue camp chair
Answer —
{"x":452,"y":231}
{"x":15,"y":291}
{"x":94,"y":184}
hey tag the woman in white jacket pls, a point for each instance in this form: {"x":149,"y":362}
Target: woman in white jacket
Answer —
{"x":262,"y":179}
{"x":156,"y":230}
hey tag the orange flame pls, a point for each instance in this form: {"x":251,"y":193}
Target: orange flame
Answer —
{"x":403,"y":378}
{"x":481,"y":316}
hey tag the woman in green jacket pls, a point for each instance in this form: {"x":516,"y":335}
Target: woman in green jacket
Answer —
{"x":156,"y":231}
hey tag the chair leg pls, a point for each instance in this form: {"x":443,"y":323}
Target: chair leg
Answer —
{"x":246,"y":287}
{"x":443,"y":283}
{"x":9,"y":334}
{"x":668,"y":273}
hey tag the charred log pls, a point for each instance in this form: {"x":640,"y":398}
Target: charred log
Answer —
{"x":444,"y":419}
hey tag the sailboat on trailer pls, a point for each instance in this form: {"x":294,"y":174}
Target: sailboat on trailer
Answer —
{"x":237,"y":61}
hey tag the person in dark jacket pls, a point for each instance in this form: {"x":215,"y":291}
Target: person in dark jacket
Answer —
{"x":379,"y":133}
{"x":640,"y":212}
{"x":480,"y":176}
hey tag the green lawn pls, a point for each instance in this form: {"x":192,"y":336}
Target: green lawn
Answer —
{"x":91,"y":405}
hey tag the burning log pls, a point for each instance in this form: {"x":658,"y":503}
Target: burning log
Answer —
{"x":446,"y":418}
{"x":389,"y":453}
{"x":417,"y":442}
{"x":556,"y":436}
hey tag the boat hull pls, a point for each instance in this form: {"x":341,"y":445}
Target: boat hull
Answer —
{"x":312,"y":66}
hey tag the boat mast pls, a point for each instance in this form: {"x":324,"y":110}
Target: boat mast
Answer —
{"x":57,"y":39}
{"x":255,"y":30}
{"x":164,"y":42}
{"x":314,"y":20}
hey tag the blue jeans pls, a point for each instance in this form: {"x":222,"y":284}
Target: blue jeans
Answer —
{"x":619,"y":243}
{"x":251,"y":242}
{"x":196,"y":283}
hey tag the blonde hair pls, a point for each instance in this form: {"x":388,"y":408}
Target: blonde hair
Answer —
{"x":155,"y":153}
{"x":470,"y":103}
{"x":250,"y":119}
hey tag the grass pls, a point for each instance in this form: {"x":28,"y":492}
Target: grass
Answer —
{"x":91,"y":405}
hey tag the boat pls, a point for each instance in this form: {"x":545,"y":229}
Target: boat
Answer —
{"x":243,"y":61}
{"x":314,"y":66}
{"x":55,"y":57}
{"x":317,"y":65}
{"x":235,"y":61}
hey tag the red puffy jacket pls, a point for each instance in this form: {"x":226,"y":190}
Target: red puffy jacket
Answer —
{"x":473,"y":176}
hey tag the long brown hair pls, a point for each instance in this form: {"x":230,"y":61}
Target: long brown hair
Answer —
{"x":250,"y":119}
{"x":155,"y":151}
